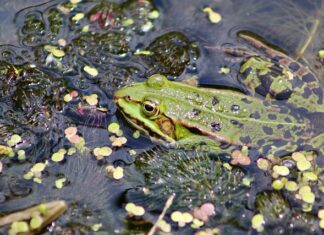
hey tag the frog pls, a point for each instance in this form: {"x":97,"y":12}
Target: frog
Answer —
{"x":280,"y":112}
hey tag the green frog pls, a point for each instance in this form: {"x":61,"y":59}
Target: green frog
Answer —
{"x":281,"y":113}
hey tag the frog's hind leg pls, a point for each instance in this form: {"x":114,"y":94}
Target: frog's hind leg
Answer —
{"x":274,"y":75}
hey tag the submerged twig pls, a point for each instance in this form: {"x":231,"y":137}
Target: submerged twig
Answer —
{"x":309,"y":39}
{"x":166,"y":207}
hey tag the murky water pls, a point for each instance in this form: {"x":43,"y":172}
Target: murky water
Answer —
{"x":55,"y":55}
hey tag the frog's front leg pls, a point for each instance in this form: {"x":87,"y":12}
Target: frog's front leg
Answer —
{"x":204,"y":144}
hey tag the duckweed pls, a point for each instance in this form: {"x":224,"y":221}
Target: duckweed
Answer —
{"x":15,"y":139}
{"x":57,"y":157}
{"x":224,"y":70}
{"x":303,"y":165}
{"x":263,"y":164}
{"x":78,"y":17}
{"x":258,"y":222}
{"x":291,"y":186}
{"x":164,"y":226}
{"x":21,"y":154}
{"x":153,"y":15}
{"x":91,"y":99}
{"x":55,"y":51}
{"x":113,"y":127}
{"x":102,"y":152}
{"x":134,"y":210}
{"x":59,"y":183}
{"x":213,"y":16}
{"x":136,"y":134}
{"x":321,"y":54}
{"x":91,"y":71}
{"x":96,"y":227}
{"x":281,"y":170}
{"x":36,"y":222}
{"x":310,"y":176}
{"x":18,"y":227}
{"x":181,"y":218}
{"x":277,"y":184}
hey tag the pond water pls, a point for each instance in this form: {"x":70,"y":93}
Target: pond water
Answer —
{"x":63,"y":138}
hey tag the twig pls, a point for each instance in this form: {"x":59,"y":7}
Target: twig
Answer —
{"x":309,"y":39}
{"x":166,"y":207}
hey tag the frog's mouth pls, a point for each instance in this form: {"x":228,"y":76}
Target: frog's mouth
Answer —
{"x":156,"y":136}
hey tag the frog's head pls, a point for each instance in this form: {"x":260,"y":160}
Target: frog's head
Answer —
{"x":142,"y":105}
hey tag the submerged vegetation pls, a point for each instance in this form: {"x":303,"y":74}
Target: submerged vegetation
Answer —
{"x":61,"y":137}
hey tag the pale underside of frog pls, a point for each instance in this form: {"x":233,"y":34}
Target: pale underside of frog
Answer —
{"x":282,"y":113}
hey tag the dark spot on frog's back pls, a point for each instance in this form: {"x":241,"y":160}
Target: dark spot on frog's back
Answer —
{"x":215,"y":100}
{"x":237,"y":123}
{"x":309,"y":77}
{"x":255,"y":115}
{"x":215,"y":126}
{"x":307,"y":92}
{"x":245,"y":100}
{"x":195,"y":112}
{"x":319,"y":93}
{"x":272,"y":116}
{"x":276,"y":59}
{"x":287,"y":135}
{"x":267,"y":130}
{"x":294,"y":66}
{"x":245,"y":139}
{"x":235,"y":108}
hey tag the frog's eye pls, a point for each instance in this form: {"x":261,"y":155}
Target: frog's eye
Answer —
{"x":150,"y":108}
